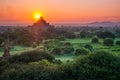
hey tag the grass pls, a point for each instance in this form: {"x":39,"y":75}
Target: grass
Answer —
{"x":18,"y":50}
{"x":76,"y":44}
{"x":65,"y":58}
{"x":115,"y":49}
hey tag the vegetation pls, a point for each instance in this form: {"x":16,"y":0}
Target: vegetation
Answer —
{"x":95,"y":40}
{"x":30,"y":56}
{"x":117,"y":42}
{"x":108,"y":42}
{"x":81,"y":51}
{"x":96,"y":66}
{"x":49,"y":53}
{"x":105,"y":34}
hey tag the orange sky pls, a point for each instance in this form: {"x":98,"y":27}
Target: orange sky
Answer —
{"x":21,"y":11}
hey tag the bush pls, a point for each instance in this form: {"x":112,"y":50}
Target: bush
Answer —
{"x":95,"y":40}
{"x":31,"y":72}
{"x":61,"y":38}
{"x":98,"y":66}
{"x":30,"y":56}
{"x":105,"y":34}
{"x":67,"y":44}
{"x":89,"y":47}
{"x":3,"y":64}
{"x":57,"y":51}
{"x":57,"y":61}
{"x":68,"y":50}
{"x":108,"y":42}
{"x":81,"y":51}
{"x":117,"y":42}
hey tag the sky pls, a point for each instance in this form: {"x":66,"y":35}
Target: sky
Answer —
{"x":20,"y":12}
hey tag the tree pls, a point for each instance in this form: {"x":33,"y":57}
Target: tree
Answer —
{"x":56,"y":51}
{"x":95,"y":40}
{"x":105,"y":34}
{"x":12,"y":37}
{"x":81,"y":51}
{"x":98,"y":66}
{"x":118,"y":42}
{"x":108,"y":42}
{"x":83,"y":34}
{"x":89,"y":47}
{"x":6,"y":43}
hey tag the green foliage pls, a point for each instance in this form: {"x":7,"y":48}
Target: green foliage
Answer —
{"x":67,"y":71}
{"x":19,"y":36}
{"x":118,"y":42}
{"x":61,"y":38}
{"x":67,"y":44}
{"x":105,"y":34}
{"x":30,"y":56}
{"x":83,"y":34}
{"x":31,"y":72}
{"x":81,"y":51}
{"x":57,"y":61}
{"x":89,"y":47}
{"x":98,"y":66}
{"x":108,"y":42}
{"x":68,"y":50}
{"x":42,"y":62}
{"x":3,"y":64}
{"x":51,"y":44}
{"x":56,"y":51}
{"x":1,"y":40}
{"x":95,"y":40}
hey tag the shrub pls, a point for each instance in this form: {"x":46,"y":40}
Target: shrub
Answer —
{"x":98,"y":66}
{"x":30,"y":56}
{"x":105,"y":34}
{"x":57,"y":51}
{"x":42,"y":62}
{"x":95,"y":40}
{"x":31,"y":72}
{"x":57,"y":61}
{"x":68,"y":50}
{"x":89,"y":47}
{"x":81,"y":51}
{"x":108,"y":42}
{"x":67,"y":44}
{"x":117,"y":42}
{"x":67,"y":71}
{"x":3,"y":64}
{"x":61,"y":38}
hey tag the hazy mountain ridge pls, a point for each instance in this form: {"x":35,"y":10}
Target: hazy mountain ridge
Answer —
{"x":104,"y":23}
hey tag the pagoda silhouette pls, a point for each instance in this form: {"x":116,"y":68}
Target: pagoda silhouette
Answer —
{"x":40,"y":27}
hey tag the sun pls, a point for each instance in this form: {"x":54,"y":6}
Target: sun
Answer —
{"x":37,"y":16}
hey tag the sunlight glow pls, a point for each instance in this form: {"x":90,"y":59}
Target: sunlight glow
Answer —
{"x":37,"y":16}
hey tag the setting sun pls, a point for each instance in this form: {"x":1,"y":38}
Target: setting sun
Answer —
{"x":37,"y":16}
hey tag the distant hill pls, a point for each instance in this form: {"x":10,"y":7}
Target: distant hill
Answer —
{"x":104,"y":23}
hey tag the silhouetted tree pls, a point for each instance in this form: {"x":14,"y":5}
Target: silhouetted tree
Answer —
{"x":105,"y":34}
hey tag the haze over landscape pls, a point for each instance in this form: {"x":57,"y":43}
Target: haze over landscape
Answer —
{"x":59,"y":39}
{"x":20,"y":12}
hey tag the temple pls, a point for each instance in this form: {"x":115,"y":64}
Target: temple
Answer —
{"x":40,"y":28}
